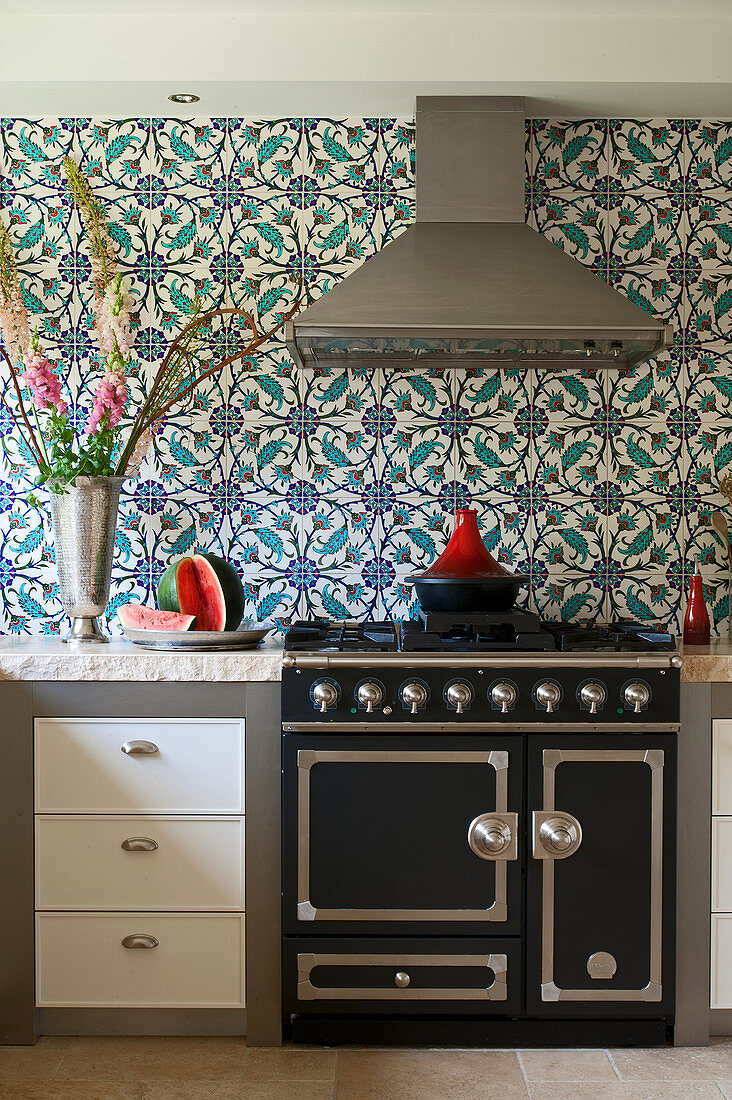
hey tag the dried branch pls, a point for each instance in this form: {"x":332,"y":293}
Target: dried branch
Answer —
{"x":36,"y":450}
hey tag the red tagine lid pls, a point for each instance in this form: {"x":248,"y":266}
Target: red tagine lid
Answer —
{"x":466,"y":555}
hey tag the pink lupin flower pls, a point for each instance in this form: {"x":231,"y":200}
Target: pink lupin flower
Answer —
{"x":109,"y":403}
{"x":44,"y":384}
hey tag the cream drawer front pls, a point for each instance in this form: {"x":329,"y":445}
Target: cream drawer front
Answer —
{"x":198,"y":765}
{"x":88,"y":862}
{"x":198,"y":962}
{"x":721,"y":960}
{"x":722,"y":767}
{"x":722,"y":864}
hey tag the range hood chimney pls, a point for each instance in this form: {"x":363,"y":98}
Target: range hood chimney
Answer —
{"x":470,"y":284}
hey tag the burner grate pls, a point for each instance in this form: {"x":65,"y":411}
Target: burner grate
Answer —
{"x":341,"y":637}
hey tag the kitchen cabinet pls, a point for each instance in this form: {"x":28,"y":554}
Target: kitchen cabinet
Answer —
{"x":139,"y":862}
{"x":721,"y":931}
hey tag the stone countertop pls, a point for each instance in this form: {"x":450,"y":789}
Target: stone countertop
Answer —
{"x":704,"y":664}
{"x":52,"y":659}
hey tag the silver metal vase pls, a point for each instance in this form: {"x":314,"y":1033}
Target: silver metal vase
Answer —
{"x":84,"y":519}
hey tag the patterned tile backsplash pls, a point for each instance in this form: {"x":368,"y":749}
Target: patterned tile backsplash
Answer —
{"x":327,"y":488}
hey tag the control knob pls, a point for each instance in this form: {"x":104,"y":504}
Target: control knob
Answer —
{"x":325,"y":695}
{"x":459,"y":696}
{"x":414,"y":696}
{"x":369,"y":696}
{"x":504,"y":696}
{"x":637,"y":696}
{"x":548,"y":696}
{"x":593,"y":696}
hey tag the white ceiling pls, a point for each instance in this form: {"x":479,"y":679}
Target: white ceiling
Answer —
{"x":621,"y":9}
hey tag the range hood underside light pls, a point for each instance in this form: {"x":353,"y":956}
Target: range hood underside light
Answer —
{"x":358,"y":353}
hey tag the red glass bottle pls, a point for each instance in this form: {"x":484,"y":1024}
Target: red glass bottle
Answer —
{"x":466,"y":555}
{"x":696,"y":620}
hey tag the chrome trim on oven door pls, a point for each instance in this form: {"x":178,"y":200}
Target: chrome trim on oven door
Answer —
{"x":654,"y":758}
{"x":537,"y":659}
{"x":308,"y":758}
{"x":496,"y":991}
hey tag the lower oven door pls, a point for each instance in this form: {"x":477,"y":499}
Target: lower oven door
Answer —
{"x":600,"y":915}
{"x":388,"y":834}
{"x":417,"y":976}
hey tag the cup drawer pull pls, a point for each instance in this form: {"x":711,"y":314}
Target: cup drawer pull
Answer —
{"x":139,"y":844}
{"x":140,"y":939}
{"x":139,"y":748}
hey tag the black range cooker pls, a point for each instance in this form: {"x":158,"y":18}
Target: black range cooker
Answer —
{"x":479,"y":832}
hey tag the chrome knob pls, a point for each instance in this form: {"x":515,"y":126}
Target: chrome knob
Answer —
{"x":459,"y":696}
{"x":504,"y":696}
{"x":402,"y":979}
{"x":369,"y":696}
{"x":548,"y":696}
{"x":637,"y":696}
{"x":556,"y":834}
{"x":414,"y":696}
{"x":593,"y":696}
{"x":325,"y":695}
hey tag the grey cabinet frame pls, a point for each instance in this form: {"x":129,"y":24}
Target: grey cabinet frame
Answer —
{"x":259,"y":704}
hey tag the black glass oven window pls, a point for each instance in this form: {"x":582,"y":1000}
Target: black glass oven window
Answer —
{"x":602,"y":893}
{"x":395,"y":835}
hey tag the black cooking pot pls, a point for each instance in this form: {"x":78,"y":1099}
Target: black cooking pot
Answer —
{"x":468,"y":593}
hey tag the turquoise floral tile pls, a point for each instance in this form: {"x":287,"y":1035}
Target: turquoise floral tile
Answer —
{"x":415,"y":529}
{"x":419,"y":457}
{"x":270,"y":598}
{"x":487,"y":392}
{"x":568,"y":457}
{"x":648,"y":155}
{"x":335,"y":393}
{"x":568,"y":534}
{"x":493,"y":458}
{"x":568,"y":597}
{"x":341,"y":595}
{"x":265,"y":157}
{"x":577,"y":393}
{"x":653,"y":599}
{"x":425,"y":395}
{"x":506,"y":529}
{"x":343,"y":155}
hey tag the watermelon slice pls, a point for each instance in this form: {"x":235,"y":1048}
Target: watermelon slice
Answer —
{"x":134,"y":616}
{"x":206,"y":586}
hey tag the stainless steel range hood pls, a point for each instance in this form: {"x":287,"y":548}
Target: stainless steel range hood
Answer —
{"x":470,"y":284}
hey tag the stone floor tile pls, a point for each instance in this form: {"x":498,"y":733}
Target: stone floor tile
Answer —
{"x":674,"y":1063}
{"x":429,"y":1075}
{"x":72,"y":1090}
{"x":567,"y":1065}
{"x":36,"y":1063}
{"x":238,"y":1090}
{"x":288,"y":1064}
{"x":625,"y":1090}
{"x":124,"y":1058}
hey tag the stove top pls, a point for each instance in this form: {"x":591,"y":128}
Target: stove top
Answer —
{"x":514,"y":630}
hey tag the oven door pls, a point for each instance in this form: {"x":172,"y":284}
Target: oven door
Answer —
{"x":390,"y":834}
{"x":600,"y":926}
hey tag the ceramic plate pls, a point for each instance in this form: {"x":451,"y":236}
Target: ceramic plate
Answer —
{"x":247,"y":636}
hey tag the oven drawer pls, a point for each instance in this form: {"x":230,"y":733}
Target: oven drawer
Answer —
{"x":385,"y":975}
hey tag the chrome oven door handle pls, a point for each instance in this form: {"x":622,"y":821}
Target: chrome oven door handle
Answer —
{"x":556,"y":834}
{"x":494,"y":836}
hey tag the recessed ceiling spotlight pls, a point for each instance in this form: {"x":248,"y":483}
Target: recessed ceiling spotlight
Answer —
{"x":184,"y":97}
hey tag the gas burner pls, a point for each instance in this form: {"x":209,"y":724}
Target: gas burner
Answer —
{"x":324,"y":635}
{"x":615,"y":637}
{"x":481,"y":631}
